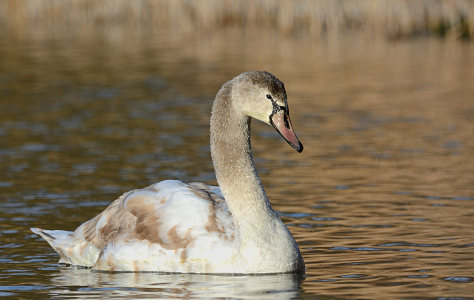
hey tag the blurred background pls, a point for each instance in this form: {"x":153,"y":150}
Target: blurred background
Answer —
{"x":101,"y":97}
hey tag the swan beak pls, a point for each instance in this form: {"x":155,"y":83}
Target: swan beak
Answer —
{"x":282,"y":123}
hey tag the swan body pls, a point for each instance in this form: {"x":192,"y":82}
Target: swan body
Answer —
{"x":172,"y":226}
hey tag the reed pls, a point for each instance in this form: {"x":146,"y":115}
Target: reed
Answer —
{"x":389,"y":18}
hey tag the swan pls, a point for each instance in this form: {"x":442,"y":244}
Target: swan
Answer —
{"x":172,"y":226}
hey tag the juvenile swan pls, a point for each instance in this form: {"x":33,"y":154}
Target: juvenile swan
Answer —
{"x":172,"y":226}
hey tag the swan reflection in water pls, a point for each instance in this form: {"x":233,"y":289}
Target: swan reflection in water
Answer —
{"x":83,"y":282}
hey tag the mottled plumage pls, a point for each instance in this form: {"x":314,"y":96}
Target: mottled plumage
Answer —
{"x":170,"y":219}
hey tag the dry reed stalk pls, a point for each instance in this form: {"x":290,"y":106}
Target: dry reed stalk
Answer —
{"x":393,"y":19}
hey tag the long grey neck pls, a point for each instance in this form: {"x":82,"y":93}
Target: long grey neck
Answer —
{"x":233,"y":163}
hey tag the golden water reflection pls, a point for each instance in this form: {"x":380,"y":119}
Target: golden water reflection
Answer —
{"x":380,"y":201}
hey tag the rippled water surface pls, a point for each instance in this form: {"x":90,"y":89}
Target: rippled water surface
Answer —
{"x":381,"y":201}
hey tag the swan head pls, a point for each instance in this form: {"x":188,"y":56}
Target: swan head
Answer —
{"x":262,"y":96}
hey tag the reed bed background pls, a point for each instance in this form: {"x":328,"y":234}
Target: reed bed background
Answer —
{"x":318,"y":18}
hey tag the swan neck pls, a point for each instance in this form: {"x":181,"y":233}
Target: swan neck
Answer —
{"x":233,"y":163}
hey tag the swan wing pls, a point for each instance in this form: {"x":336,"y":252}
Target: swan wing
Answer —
{"x":169,"y":226}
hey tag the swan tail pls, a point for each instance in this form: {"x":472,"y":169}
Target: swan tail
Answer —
{"x":58,"y":240}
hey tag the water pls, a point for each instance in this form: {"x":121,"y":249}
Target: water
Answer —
{"x":381,"y":201}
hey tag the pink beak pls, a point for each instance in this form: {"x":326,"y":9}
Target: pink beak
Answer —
{"x":282,"y":123}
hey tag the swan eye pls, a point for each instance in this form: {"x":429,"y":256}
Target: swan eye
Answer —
{"x":269,"y":96}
